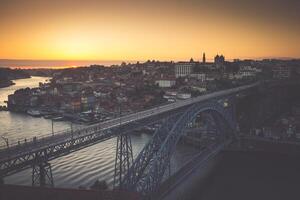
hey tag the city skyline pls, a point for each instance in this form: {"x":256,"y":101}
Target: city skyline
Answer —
{"x":138,"y":31}
{"x":61,"y":64}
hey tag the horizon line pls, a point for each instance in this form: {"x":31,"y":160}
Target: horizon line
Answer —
{"x":228,"y":58}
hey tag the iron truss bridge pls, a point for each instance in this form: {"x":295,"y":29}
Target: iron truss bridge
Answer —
{"x":143,"y":174}
{"x":147,"y":171}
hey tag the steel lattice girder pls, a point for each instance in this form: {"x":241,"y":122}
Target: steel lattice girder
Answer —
{"x":42,"y":174}
{"x":144,"y":157}
{"x":123,"y":160}
{"x":149,"y":167}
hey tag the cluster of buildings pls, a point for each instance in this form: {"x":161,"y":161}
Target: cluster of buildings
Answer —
{"x":101,"y":92}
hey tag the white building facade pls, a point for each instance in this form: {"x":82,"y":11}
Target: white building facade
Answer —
{"x":165,"y":83}
{"x":183,"y":69}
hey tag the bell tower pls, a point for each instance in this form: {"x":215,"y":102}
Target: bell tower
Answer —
{"x":203,"y":58}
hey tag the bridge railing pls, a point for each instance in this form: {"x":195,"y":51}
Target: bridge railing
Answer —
{"x":33,"y":140}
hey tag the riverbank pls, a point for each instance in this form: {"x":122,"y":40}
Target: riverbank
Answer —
{"x":19,"y":83}
{"x":6,"y":83}
{"x":248,"y":145}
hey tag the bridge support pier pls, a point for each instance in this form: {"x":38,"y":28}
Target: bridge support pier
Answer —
{"x":42,"y":175}
{"x":124,"y":159}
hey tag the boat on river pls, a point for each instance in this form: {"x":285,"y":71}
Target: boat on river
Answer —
{"x":59,"y":118}
{"x":34,"y":113}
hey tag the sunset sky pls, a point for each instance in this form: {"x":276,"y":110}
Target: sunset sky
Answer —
{"x":142,"y":30}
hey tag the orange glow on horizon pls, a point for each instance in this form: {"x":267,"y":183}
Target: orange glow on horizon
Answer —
{"x":50,"y":67}
{"x":75,"y":30}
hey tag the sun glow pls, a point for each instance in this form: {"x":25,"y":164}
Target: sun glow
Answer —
{"x":116,"y":31}
{"x":74,"y":45}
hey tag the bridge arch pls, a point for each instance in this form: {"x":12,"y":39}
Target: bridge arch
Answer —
{"x":146,"y":173}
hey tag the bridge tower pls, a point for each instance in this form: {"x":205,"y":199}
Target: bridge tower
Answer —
{"x":42,"y":175}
